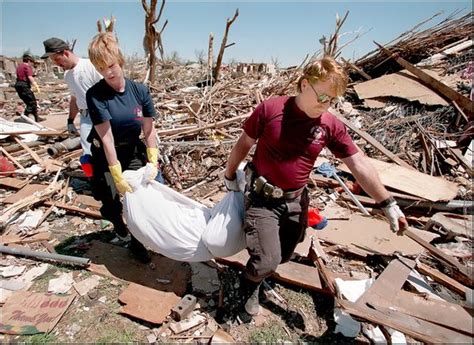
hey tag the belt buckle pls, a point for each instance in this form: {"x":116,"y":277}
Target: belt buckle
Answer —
{"x":268,"y":190}
{"x":277,"y":192}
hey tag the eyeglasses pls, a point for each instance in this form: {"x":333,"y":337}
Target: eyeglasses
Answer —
{"x":323,"y":98}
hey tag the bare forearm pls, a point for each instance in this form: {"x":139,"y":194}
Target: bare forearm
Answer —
{"x":110,"y":153}
{"x":238,"y":154}
{"x":149,"y":133}
{"x":367,"y":177}
{"x":73,"y":108}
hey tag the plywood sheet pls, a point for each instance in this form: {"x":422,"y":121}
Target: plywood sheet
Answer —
{"x":412,"y":182}
{"x":401,"y":84}
{"x":372,"y":235}
{"x":13,"y":182}
{"x":24,"y":192}
{"x":147,"y":304}
{"x":290,"y":272}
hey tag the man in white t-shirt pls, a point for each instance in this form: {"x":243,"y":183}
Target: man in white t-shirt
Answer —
{"x":80,"y":75}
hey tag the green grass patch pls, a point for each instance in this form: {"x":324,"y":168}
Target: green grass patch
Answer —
{"x":42,"y":338}
{"x":117,"y":336}
{"x":269,"y":333}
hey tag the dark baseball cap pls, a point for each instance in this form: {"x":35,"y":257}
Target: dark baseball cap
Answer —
{"x":28,"y":56}
{"x":54,"y":45}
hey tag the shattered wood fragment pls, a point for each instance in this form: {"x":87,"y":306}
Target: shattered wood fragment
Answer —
{"x":442,"y":279}
{"x":441,"y":256}
{"x":465,"y":103}
{"x":372,"y":141}
{"x":416,"y":328}
{"x":389,"y":282}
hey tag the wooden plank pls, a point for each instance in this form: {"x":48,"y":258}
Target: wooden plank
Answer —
{"x":465,"y":103}
{"x":13,"y":238}
{"x":315,"y":254}
{"x":11,"y":158}
{"x":75,"y":209}
{"x":440,"y":312}
{"x":38,"y":133}
{"x":371,"y":234}
{"x":414,"y":327}
{"x":439,"y":254}
{"x":88,"y":201}
{"x":33,"y":154}
{"x":147,"y":304}
{"x":443,"y":279}
{"x":24,"y":192}
{"x":291,"y":272}
{"x":357,"y":69}
{"x":412,"y":182}
{"x":13,"y":182}
{"x":389,"y":282}
{"x":372,"y":141}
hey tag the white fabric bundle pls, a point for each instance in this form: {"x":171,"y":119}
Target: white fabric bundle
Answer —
{"x":178,"y":227}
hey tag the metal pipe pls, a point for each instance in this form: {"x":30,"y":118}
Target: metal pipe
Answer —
{"x":65,"y":145}
{"x":42,"y":255}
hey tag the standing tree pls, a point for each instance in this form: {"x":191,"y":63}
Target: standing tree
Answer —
{"x":224,"y":45}
{"x":152,"y":39}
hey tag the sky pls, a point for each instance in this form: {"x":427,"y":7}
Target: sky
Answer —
{"x":264,"y":31}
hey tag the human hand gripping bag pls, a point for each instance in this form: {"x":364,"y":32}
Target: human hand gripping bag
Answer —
{"x":224,"y":235}
{"x":164,"y":220}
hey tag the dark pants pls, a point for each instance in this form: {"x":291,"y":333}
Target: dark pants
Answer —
{"x":132,"y":156}
{"x":24,"y":92}
{"x":273,"y":228}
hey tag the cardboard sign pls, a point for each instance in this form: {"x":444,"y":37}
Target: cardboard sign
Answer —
{"x":30,"y":313}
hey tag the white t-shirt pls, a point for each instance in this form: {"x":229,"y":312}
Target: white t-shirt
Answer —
{"x":80,"y":79}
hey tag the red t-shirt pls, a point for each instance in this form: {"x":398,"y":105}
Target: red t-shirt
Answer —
{"x":289,"y":141}
{"x":23,"y":71}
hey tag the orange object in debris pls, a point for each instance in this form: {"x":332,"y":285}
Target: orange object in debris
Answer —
{"x":315,"y":220}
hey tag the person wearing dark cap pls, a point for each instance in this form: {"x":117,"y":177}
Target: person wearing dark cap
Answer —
{"x":24,"y":82}
{"x":80,"y":75}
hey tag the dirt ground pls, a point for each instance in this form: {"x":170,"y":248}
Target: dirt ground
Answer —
{"x":95,"y":317}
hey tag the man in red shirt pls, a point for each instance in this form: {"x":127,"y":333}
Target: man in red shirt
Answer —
{"x":24,"y":82}
{"x":290,"y":132}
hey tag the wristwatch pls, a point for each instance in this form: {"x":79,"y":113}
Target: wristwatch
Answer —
{"x":387,"y":202}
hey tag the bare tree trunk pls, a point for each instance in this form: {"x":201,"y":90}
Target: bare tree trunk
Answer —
{"x":223,"y":45}
{"x":152,"y":39}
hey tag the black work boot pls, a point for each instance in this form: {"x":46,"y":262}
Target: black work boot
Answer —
{"x":139,"y":251}
{"x":251,"y":290}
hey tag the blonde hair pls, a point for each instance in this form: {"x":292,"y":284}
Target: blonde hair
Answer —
{"x":322,"y":70}
{"x":103,"y":49}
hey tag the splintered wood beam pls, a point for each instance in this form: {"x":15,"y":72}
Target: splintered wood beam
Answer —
{"x":442,"y":279}
{"x":463,"y":102}
{"x":33,"y":154}
{"x":10,"y":157}
{"x":371,"y":140}
{"x":439,"y":254}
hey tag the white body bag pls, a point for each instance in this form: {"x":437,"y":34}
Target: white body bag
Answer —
{"x":178,"y":227}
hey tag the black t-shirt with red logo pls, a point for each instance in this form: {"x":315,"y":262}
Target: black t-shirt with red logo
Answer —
{"x":125,"y":110}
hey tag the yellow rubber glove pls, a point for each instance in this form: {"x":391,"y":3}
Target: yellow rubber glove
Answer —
{"x":120,"y":183}
{"x":37,"y":88}
{"x":152,"y":155}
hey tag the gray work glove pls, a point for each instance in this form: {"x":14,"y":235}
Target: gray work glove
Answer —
{"x":71,"y":128}
{"x":398,"y":222}
{"x":231,"y":184}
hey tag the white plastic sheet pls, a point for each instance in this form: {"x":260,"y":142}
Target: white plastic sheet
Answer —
{"x":178,"y":227}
